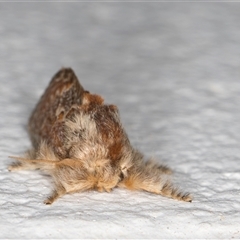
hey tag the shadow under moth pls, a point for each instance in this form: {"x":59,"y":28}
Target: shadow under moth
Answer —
{"x":80,"y":142}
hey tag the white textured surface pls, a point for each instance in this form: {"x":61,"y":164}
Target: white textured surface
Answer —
{"x":172,"y":69}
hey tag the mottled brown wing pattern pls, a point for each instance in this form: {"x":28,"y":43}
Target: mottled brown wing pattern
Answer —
{"x":112,"y":133}
{"x":62,"y":93}
{"x":108,"y":127}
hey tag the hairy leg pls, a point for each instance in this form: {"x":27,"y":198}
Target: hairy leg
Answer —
{"x":58,"y":192}
{"x":151,"y":178}
{"x":18,"y":166}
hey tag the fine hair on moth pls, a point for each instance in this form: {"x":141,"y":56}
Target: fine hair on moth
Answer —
{"x":80,"y":142}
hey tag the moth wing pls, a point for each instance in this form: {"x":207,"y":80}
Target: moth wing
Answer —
{"x":47,"y":119}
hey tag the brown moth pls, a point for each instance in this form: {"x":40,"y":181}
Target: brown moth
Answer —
{"x":80,"y":142}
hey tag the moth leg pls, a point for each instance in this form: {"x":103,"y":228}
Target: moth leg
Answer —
{"x":23,"y":163}
{"x":168,"y":190}
{"x":18,"y":166}
{"x":14,"y":167}
{"x":58,"y":192}
{"x":149,"y":179}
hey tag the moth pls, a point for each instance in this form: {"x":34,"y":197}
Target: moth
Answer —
{"x":80,"y":142}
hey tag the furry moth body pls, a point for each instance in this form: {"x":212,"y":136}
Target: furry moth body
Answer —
{"x":80,"y":142}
